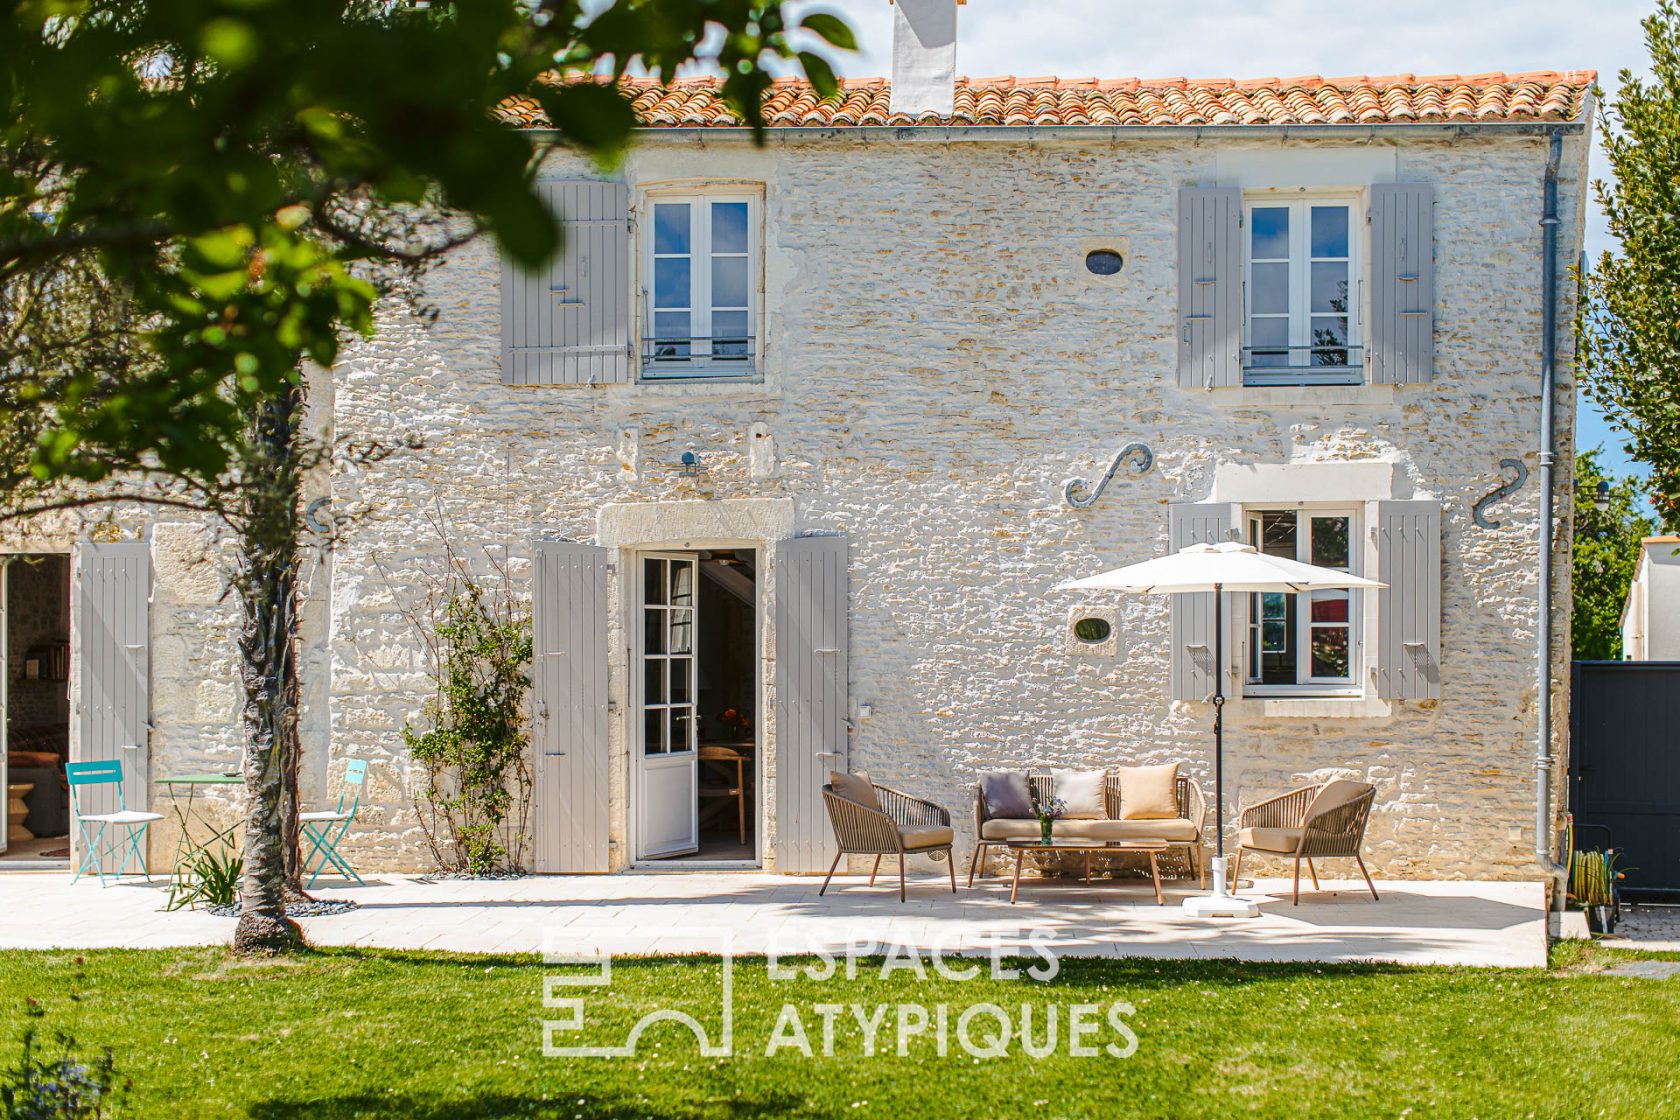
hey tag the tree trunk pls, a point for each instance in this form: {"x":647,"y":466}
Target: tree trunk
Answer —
{"x":267,"y":588}
{"x":291,"y":852}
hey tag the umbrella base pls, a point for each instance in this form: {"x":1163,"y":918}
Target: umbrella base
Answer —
{"x":1221,"y":903}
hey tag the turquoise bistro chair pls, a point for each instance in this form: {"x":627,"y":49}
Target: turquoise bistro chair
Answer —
{"x":131,"y":823}
{"x":325,"y":829}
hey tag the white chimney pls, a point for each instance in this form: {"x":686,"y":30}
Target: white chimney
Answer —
{"x":924,"y":66}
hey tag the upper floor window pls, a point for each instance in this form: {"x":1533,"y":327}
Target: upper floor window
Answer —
{"x":1309,"y":639}
{"x":701,"y":269}
{"x":1301,"y":293}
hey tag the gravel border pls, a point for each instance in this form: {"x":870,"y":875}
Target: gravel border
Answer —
{"x":315,"y":908}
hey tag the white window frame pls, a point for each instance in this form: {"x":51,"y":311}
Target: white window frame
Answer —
{"x":1306,"y":684}
{"x":1300,"y":288}
{"x":701,"y":364}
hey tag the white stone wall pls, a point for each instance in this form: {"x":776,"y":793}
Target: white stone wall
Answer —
{"x":937,"y":364}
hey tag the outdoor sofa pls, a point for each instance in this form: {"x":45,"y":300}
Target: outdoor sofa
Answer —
{"x":1168,"y":807}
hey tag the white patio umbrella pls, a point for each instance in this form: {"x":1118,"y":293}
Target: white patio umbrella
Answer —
{"x":1218,"y":568}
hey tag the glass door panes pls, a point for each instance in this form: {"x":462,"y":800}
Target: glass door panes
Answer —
{"x":1269,"y":298}
{"x":701,"y":286}
{"x":668,"y":668}
{"x":1329,"y":265}
{"x":673,"y":280}
{"x":1298,"y":639}
{"x":1330,"y":622}
{"x":1300,"y":299}
{"x":731,"y":288}
{"x":1272,"y":648}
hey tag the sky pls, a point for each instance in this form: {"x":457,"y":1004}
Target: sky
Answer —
{"x":1284,"y":38}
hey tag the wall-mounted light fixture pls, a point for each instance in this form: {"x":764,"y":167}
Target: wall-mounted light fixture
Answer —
{"x":690,"y":462}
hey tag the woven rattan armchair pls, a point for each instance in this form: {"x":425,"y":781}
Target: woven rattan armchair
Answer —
{"x":902,"y":825}
{"x":1313,"y":821}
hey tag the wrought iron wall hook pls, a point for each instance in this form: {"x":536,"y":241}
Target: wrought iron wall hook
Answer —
{"x":1073,"y":488}
{"x":1499,"y":493}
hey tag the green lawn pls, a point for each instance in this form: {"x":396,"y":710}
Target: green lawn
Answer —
{"x":350,"y":1034}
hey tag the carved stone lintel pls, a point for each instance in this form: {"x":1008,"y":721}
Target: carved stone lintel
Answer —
{"x":1080,"y":494}
{"x":1501,"y":492}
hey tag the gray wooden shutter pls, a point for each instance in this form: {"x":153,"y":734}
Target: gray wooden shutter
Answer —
{"x":1409,"y":608}
{"x":1193,"y":615}
{"x":111,"y":639}
{"x":1402,"y":329}
{"x":568,"y":323}
{"x":1210,"y":304}
{"x":812,"y":586}
{"x":569,"y":830}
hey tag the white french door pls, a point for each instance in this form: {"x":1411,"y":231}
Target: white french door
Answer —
{"x":668,"y":813}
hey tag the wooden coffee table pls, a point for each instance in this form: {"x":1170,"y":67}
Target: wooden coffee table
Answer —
{"x":1151,"y":848}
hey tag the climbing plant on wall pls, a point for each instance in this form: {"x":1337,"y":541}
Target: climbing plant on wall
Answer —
{"x":473,"y":745}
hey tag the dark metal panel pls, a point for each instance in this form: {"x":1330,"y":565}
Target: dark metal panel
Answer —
{"x":1624,"y":765}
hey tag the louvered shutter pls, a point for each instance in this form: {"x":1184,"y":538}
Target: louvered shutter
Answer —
{"x":1193,"y":615}
{"x":568,"y":322}
{"x":111,"y":640}
{"x":569,"y":708}
{"x":1409,"y":607}
{"x":1210,"y":287}
{"x":812,"y":586}
{"x":1402,"y":284}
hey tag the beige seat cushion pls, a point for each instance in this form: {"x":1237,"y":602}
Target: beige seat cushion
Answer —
{"x":917,"y":837}
{"x":1009,"y":828}
{"x":1284,"y":840}
{"x":1175,"y":831}
{"x":1149,"y":793}
{"x":855,"y":788}
{"x":1082,"y":792}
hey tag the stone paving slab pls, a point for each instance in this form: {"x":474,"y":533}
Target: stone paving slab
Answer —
{"x":1459,"y":923}
{"x":1647,"y":926}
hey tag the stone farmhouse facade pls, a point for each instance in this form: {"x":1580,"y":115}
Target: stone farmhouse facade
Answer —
{"x":791,"y":446}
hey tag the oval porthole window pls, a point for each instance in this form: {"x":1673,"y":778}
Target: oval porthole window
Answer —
{"x":1103,"y":262}
{"x":1092,"y":630}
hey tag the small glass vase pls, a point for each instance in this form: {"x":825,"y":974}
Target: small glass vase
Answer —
{"x":1045,"y":825}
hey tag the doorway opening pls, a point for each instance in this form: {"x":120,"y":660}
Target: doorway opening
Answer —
{"x":697,"y":682}
{"x":35,"y":709}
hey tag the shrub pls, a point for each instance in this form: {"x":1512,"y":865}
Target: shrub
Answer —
{"x":42,"y":1088}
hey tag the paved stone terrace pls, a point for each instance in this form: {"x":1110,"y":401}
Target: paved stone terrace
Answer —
{"x":1649,"y":926}
{"x":1461,"y":923}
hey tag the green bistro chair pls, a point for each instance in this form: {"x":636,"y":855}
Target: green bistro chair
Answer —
{"x":325,"y":829}
{"x":133,"y":822}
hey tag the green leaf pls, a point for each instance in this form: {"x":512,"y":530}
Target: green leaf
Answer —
{"x":832,"y":28}
{"x":820,"y":74}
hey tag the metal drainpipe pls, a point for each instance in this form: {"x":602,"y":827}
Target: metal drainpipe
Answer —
{"x":1544,"y":760}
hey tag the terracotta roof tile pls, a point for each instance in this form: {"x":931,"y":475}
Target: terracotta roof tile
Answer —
{"x":1305,"y":100}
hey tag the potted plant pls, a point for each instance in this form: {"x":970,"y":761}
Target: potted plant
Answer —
{"x":1047,"y":813}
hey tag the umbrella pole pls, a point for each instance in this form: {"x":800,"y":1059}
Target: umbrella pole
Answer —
{"x":1219,"y":721}
{"x":1221,"y":903}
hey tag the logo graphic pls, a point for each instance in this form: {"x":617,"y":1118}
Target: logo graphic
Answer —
{"x":981,"y":1029}
{"x":602,"y":978}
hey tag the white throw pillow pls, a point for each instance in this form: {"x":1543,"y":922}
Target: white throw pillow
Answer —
{"x":1082,"y":792}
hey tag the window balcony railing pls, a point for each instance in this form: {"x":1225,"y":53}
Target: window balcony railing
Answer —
{"x":676,"y":359}
{"x":1336,"y":364}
